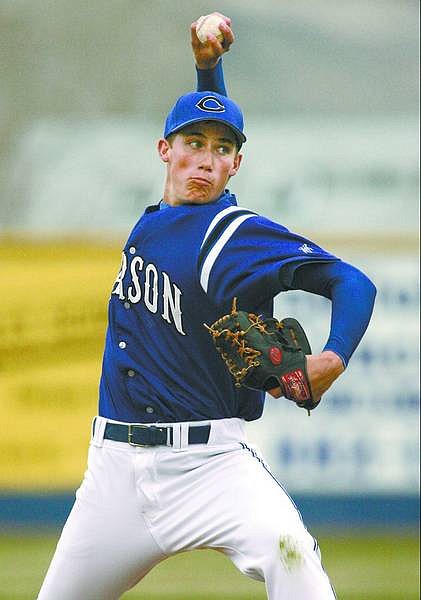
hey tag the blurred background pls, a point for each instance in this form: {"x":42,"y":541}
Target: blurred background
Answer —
{"x":330,"y":92}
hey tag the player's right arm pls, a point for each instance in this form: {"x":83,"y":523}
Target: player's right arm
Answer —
{"x":208,"y":57}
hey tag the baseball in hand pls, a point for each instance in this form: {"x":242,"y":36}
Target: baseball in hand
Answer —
{"x":209,"y":24}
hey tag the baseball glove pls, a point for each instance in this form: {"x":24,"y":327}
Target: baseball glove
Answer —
{"x":263,"y":354}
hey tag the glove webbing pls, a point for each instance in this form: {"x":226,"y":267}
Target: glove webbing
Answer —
{"x":250,"y":355}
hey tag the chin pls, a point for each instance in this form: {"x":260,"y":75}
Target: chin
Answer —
{"x":199,"y":196}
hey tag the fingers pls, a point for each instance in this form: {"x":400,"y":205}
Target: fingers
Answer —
{"x":275,"y":392}
{"x":218,"y":48}
{"x":228,"y":35}
{"x":194,"y":39}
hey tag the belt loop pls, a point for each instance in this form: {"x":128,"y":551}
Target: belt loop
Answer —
{"x":93,"y":427}
{"x":98,"y":428}
{"x":184,"y":435}
{"x":176,"y":436}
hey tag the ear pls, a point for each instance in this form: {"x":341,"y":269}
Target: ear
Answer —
{"x":236,"y":164}
{"x":163,"y":149}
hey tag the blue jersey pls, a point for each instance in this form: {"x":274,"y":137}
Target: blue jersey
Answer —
{"x":181,"y":268}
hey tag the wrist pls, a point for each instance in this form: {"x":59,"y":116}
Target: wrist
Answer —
{"x":207,"y":65}
{"x":333,"y":362}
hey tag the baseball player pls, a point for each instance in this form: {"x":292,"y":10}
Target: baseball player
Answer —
{"x":170,"y":468}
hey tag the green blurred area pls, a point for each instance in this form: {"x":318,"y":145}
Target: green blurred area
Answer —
{"x":376,"y":566}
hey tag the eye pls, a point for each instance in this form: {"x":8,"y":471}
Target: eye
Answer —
{"x":195,"y":144}
{"x":224,"y":150}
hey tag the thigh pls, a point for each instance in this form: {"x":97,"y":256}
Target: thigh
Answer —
{"x":271,"y":542}
{"x":238,"y":507}
{"x":105,"y":546}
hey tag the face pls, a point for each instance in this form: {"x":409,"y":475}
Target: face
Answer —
{"x":200,"y":160}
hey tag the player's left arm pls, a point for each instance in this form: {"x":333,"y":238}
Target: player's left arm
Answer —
{"x":208,"y":57}
{"x":352,"y":295}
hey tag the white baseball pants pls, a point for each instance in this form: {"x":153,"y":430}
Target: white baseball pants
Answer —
{"x":138,"y":505}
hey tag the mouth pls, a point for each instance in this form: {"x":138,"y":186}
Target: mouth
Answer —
{"x":200,"y":181}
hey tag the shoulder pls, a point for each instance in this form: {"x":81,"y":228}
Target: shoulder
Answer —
{"x":225,"y":221}
{"x":225,"y":217}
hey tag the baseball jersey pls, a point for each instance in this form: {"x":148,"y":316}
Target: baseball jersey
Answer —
{"x":181,"y":268}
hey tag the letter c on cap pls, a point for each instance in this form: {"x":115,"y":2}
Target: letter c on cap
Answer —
{"x":210,"y":104}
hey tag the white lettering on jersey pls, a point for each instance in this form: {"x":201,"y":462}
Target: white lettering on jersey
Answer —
{"x":137,"y":261}
{"x":151,"y":300}
{"x":172,"y":303}
{"x":151,"y":287}
{"x":118,"y":289}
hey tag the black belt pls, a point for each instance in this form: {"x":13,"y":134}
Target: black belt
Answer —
{"x":151,"y":435}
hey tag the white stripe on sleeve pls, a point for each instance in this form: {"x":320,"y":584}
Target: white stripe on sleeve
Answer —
{"x":216,"y":250}
{"x":217,"y":218}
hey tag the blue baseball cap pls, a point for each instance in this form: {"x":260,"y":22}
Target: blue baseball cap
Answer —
{"x":205,"y":106}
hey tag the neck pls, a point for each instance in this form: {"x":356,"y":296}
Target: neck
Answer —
{"x":174,"y":200}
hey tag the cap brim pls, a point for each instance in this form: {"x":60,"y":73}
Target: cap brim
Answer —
{"x":241,"y":138}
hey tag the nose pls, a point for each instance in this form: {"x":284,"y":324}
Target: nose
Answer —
{"x":206,"y":160}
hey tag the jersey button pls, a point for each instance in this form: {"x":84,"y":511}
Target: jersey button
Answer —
{"x":132,"y":250}
{"x":126,"y":305}
{"x":149,"y":409}
{"x":131,"y":373}
{"x":122,"y":345}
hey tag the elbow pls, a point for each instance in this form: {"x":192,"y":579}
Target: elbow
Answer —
{"x":374,"y":290}
{"x":370,"y":288}
{"x":360,"y":282}
{"x":364,"y":289}
{"x":367,"y":291}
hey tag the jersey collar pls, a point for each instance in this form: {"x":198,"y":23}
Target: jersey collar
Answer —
{"x":226,"y":196}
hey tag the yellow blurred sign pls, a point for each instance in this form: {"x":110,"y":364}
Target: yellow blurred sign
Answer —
{"x":52,"y":327}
